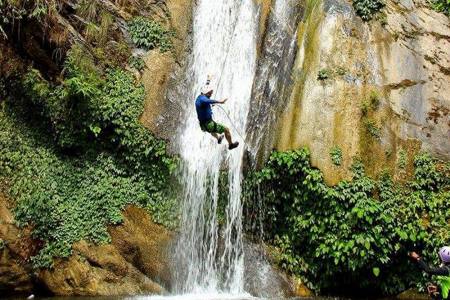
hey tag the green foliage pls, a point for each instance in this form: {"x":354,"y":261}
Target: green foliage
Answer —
{"x":371,"y":103}
{"x":374,"y":100}
{"x":355,"y":235}
{"x":2,"y":244}
{"x":367,"y":9}
{"x":149,"y":34}
{"x":12,"y":12}
{"x":372,"y":128}
{"x":402,"y":159}
{"x":336,"y":155}
{"x":324,"y":74}
{"x":441,"y":6}
{"x":88,"y":10}
{"x":137,"y":63}
{"x":75,"y":154}
{"x":91,"y":106}
{"x":365,"y":106}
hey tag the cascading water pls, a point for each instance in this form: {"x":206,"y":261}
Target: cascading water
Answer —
{"x":224,"y":45}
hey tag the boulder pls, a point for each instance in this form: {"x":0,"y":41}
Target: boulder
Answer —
{"x":16,"y":246}
{"x":134,"y":263}
{"x":96,"y":271}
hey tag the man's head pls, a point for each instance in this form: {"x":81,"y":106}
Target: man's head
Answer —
{"x":207,"y":89}
{"x":209,"y":94}
{"x":444,"y":254}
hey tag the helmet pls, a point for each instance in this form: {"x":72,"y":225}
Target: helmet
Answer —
{"x":206,"y":89}
{"x":444,"y":254}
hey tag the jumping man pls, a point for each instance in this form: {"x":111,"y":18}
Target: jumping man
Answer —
{"x":204,"y":114}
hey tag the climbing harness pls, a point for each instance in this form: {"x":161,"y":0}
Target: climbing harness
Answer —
{"x":286,"y":27}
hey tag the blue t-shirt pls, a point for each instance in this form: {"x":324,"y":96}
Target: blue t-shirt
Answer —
{"x":203,"y":107}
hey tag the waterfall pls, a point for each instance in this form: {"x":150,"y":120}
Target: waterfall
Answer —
{"x":224,"y":45}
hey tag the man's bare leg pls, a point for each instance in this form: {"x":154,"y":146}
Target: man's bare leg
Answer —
{"x":231,"y":145}
{"x":228,"y":136}
{"x":217,"y":136}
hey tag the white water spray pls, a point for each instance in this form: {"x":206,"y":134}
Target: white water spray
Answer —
{"x":224,"y":45}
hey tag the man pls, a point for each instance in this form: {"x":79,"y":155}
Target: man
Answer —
{"x":204,"y":114}
{"x":442,"y":288}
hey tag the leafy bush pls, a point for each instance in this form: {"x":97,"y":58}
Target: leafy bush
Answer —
{"x":12,"y":12}
{"x":366,"y":9}
{"x":149,"y":34}
{"x":441,"y":6}
{"x":137,"y":63}
{"x":372,"y":128}
{"x":75,"y":154}
{"x":353,"y":236}
{"x":402,"y":159}
{"x":91,"y":106}
{"x":336,"y":155}
{"x":66,"y":198}
{"x":324,"y":74}
{"x":374,"y":99}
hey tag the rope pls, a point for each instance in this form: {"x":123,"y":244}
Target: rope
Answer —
{"x":286,"y":27}
{"x":232,"y":124}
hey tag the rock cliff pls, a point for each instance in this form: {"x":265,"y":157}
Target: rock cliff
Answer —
{"x":384,"y":90}
{"x":134,"y":263}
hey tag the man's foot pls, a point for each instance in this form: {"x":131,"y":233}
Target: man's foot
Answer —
{"x":220,"y":139}
{"x":233,"y":145}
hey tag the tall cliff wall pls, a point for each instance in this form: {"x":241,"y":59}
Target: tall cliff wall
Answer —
{"x":387,"y":91}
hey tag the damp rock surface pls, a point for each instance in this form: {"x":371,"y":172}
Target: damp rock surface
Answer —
{"x":402,"y":65}
{"x":134,"y":263}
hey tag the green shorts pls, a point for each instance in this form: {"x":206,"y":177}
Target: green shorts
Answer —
{"x":212,"y":127}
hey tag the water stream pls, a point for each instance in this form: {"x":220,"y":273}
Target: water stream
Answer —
{"x":209,"y":259}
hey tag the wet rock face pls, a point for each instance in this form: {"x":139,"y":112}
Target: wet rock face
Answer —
{"x":262,"y":279}
{"x":135,"y":262}
{"x":96,"y":271}
{"x":164,"y":72}
{"x":343,"y":64}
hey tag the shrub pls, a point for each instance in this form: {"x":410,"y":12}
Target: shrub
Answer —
{"x":365,"y":108}
{"x":12,"y":12}
{"x":372,"y":128}
{"x":366,"y":9}
{"x":353,"y":236}
{"x":441,"y":6}
{"x":74,"y":155}
{"x":324,"y":74}
{"x":68,"y":198}
{"x":137,"y":63}
{"x":149,"y":34}
{"x":374,"y":99}
{"x":336,"y":155}
{"x":402,"y":159}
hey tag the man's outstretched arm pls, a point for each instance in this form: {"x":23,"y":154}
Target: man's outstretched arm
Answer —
{"x":211,"y":101}
{"x":444,"y":271}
